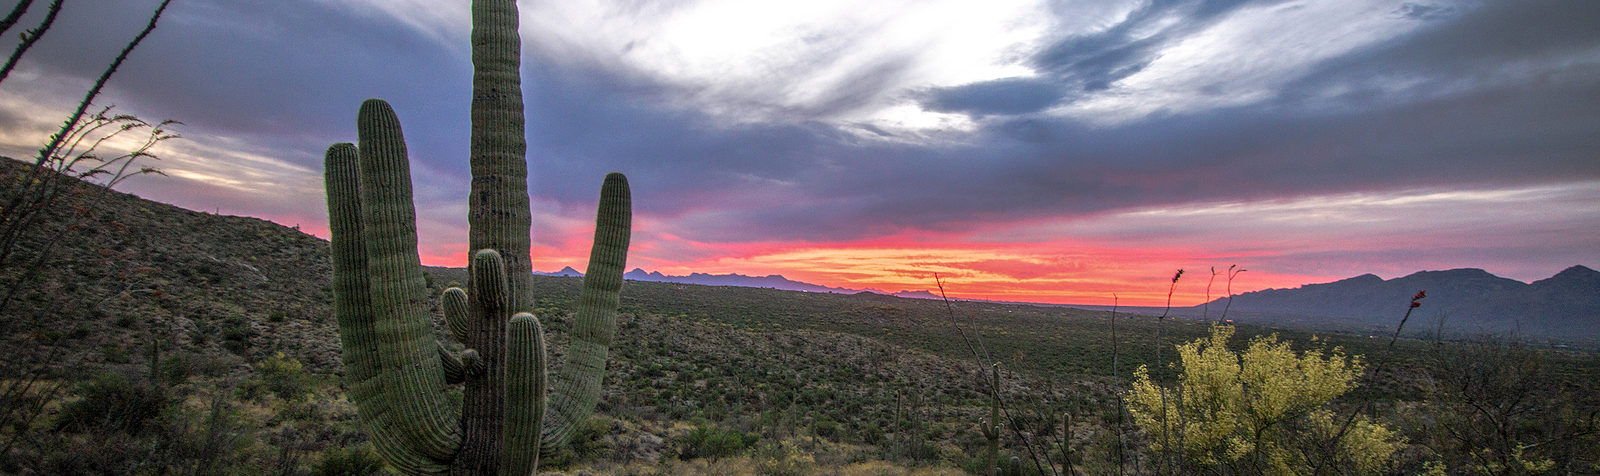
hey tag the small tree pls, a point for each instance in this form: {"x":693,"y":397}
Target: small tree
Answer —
{"x":1254,"y":412}
{"x":1498,"y":407}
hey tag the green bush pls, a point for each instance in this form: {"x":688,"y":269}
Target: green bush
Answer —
{"x":587,"y":441}
{"x":110,"y":402}
{"x":352,"y":461}
{"x":114,"y":353}
{"x":283,"y":376}
{"x":236,"y":334}
{"x":1260,"y":411}
{"x":175,"y":369}
{"x":827,"y":429}
{"x":707,"y":441}
{"x":783,"y":459}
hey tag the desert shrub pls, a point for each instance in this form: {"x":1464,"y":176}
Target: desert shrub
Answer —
{"x":586,"y":443}
{"x":1494,"y":408}
{"x":236,"y":334}
{"x":826,"y":428}
{"x":114,"y":353}
{"x":1263,"y":411}
{"x":200,"y":440}
{"x":708,"y":441}
{"x":920,"y":450}
{"x":175,"y":369}
{"x":91,"y":455}
{"x":111,"y":402}
{"x":588,"y":440}
{"x":283,"y":376}
{"x":352,"y":461}
{"x":303,"y":410}
{"x":783,"y":459}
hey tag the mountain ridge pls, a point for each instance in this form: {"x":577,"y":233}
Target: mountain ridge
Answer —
{"x":771,"y":281}
{"x":1461,"y":300}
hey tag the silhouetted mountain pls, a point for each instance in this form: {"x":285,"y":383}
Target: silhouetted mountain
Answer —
{"x":566,"y":272}
{"x":772,"y":281}
{"x":917,"y":295}
{"x":1469,"y":300}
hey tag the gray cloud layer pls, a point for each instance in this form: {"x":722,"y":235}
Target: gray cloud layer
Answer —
{"x":1482,"y":95}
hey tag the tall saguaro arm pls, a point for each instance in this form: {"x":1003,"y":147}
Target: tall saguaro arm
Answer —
{"x":397,"y":372}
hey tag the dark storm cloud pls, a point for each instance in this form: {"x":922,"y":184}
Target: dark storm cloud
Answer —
{"x":1462,"y":50}
{"x":1081,"y":64}
{"x":808,"y":181}
{"x":1009,"y":96}
{"x":1092,"y":62}
{"x":1038,"y":168}
{"x":291,"y":75}
{"x":586,"y":122}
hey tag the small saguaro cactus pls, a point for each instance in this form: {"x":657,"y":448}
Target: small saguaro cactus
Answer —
{"x":991,"y":425}
{"x":1066,"y":441}
{"x":397,"y":373}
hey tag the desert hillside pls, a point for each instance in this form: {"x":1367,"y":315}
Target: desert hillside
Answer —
{"x":158,"y":340}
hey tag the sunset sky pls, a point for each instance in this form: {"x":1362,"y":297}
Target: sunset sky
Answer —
{"x":1045,"y":151}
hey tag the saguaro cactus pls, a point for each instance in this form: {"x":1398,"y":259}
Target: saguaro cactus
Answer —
{"x":991,"y":425}
{"x":396,"y":371}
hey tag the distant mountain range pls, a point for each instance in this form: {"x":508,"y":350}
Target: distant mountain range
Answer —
{"x":772,"y":281}
{"x":1469,"y":300}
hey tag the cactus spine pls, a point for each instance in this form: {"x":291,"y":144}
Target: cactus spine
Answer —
{"x":396,"y":371}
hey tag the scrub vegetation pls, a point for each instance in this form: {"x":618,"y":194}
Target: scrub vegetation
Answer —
{"x":146,"y":339}
{"x":208,"y":345}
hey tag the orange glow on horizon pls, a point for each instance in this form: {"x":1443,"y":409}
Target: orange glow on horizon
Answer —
{"x":1129,"y":254}
{"x":1054,"y":273}
{"x":1060,"y":272}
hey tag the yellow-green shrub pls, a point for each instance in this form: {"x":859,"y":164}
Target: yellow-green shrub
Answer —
{"x":1260,"y":411}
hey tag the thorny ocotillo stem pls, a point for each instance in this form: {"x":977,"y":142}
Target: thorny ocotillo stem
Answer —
{"x":1166,"y":437}
{"x":1116,"y":381}
{"x":1231,"y":274}
{"x":994,"y":383}
{"x":1366,"y":402}
{"x":1205,"y":306}
{"x":99,"y":83}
